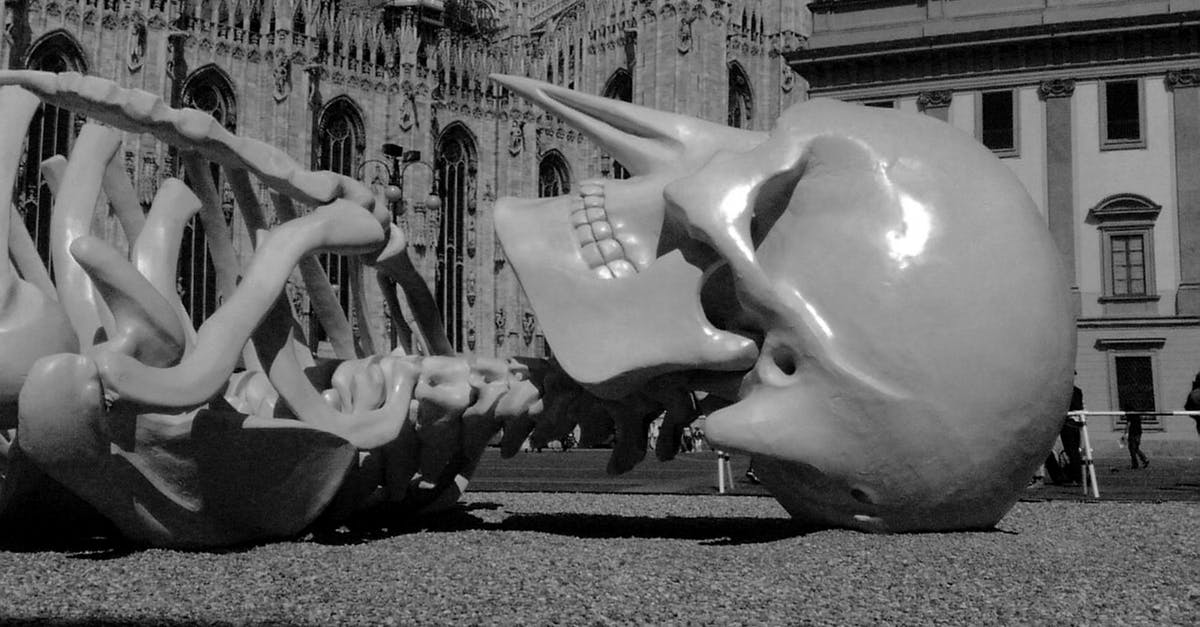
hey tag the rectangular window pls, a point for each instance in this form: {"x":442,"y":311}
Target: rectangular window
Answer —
{"x":880,"y":104}
{"x":1122,"y":121}
{"x":1135,"y":387}
{"x":998,"y":122}
{"x":1128,"y":265}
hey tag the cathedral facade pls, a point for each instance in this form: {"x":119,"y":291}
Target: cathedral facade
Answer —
{"x":397,"y":93}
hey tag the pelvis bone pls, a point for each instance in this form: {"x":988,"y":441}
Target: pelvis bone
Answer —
{"x":875,"y":290}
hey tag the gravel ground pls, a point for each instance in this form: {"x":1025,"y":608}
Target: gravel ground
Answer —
{"x":527,"y":558}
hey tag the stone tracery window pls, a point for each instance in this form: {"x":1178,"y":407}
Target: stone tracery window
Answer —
{"x":51,"y":132}
{"x":554,"y":176}
{"x":341,"y":141}
{"x":456,"y":164}
{"x":741,"y":98}
{"x":209,"y":90}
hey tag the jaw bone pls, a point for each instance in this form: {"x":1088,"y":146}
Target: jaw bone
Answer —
{"x":539,"y":238}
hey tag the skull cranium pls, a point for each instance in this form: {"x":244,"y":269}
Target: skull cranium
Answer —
{"x":882,"y":287}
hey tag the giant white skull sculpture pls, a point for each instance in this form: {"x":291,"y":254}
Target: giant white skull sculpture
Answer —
{"x":875,"y":290}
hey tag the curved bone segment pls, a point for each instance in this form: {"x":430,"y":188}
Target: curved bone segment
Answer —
{"x":138,"y":111}
{"x":395,"y":265}
{"x":631,"y":417}
{"x":71,"y":217}
{"x":203,"y":372}
{"x":146,"y":326}
{"x":32,"y":322}
{"x":491,"y":380}
{"x":155,"y":253}
{"x":679,"y":411}
{"x":250,"y":392}
{"x":193,"y":480}
{"x":216,"y":231}
{"x":23,"y":253}
{"x":325,"y":305}
{"x":123,"y":199}
{"x":369,"y":429}
{"x":563,"y":397}
{"x":444,"y":394}
{"x":404,"y":332}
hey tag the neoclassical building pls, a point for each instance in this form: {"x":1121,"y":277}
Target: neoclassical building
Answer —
{"x":1095,"y":105}
{"x":333,"y":82}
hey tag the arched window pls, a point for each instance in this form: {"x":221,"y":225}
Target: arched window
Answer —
{"x":51,"y":132}
{"x":619,"y":87}
{"x":340,"y":144}
{"x":456,"y":165}
{"x":209,"y":90}
{"x":741,"y":99}
{"x":554,"y":177}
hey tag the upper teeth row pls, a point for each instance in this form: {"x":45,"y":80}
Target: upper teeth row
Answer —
{"x":599,"y":246}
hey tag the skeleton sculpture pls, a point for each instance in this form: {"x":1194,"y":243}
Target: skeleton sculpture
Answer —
{"x":872,"y":296}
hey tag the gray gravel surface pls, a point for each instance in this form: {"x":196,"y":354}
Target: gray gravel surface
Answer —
{"x":602,"y":559}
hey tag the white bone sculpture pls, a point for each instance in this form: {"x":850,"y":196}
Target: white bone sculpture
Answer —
{"x":873,"y":296}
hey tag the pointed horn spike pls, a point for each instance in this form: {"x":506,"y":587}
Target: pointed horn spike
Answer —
{"x":641,"y":138}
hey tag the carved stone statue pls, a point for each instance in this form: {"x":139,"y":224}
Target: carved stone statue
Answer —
{"x":869,"y":303}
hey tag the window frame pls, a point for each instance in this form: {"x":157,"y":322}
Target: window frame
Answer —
{"x":1133,"y":347}
{"x":1107,"y":143}
{"x":1118,"y":216}
{"x":1014,"y":100}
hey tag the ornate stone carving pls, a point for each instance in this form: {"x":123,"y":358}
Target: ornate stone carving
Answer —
{"x":936,"y":99}
{"x":1183,"y":79}
{"x":282,"y":75}
{"x":516,"y":136}
{"x":685,"y":33}
{"x":528,"y":325}
{"x":408,"y":111}
{"x":787,"y":80}
{"x":1056,"y":88}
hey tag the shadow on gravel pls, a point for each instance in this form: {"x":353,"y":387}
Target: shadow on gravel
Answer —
{"x":714,"y":531}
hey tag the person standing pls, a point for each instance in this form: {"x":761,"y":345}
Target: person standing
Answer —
{"x":1193,"y":401}
{"x":1071,"y":439}
{"x":1133,"y":439}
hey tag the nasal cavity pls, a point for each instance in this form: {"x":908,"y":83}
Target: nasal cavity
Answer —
{"x":784,"y":360}
{"x":862,"y":496}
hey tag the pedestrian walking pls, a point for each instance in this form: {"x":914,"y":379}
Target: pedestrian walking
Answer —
{"x":1133,"y":440}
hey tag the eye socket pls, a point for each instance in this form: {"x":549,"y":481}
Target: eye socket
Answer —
{"x":770,"y":201}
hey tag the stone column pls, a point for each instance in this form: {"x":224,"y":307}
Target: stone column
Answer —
{"x":936,"y":103}
{"x":1060,"y":183}
{"x":1185,"y":98}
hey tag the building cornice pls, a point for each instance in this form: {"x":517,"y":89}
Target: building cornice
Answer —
{"x":1081,"y":50}
{"x":1153,"y":322}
